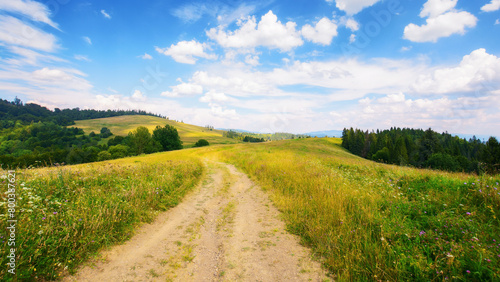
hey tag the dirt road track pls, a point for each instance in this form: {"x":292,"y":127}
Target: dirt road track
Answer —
{"x":225,"y":230}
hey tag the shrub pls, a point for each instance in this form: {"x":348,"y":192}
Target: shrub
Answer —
{"x":201,"y":143}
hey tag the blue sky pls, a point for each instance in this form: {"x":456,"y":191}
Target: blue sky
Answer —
{"x":265,"y":66}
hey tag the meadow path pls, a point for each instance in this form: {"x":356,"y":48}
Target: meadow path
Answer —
{"x":226,"y":229}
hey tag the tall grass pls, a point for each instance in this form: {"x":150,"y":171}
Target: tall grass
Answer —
{"x":371,"y":221}
{"x":67,"y":214}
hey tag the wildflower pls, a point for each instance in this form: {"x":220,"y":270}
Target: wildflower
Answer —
{"x":422,"y":233}
{"x":468,"y":271}
{"x":43,"y":218}
{"x":55,"y":212}
{"x":467,"y":213}
{"x":488,"y":260}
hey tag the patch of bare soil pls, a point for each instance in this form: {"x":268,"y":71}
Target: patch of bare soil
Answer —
{"x":225,"y":230}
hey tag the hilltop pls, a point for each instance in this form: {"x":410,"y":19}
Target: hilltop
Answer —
{"x":122,"y":125}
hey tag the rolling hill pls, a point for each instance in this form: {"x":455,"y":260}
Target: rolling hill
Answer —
{"x":122,"y":125}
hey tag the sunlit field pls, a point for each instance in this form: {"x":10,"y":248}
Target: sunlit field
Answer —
{"x":363,"y":220}
{"x":122,"y":125}
{"x":369,"y":221}
{"x":67,"y":214}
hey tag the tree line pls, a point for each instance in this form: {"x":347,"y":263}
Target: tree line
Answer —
{"x":11,"y":112}
{"x":46,"y":144}
{"x":424,"y":149}
{"x":32,"y":135}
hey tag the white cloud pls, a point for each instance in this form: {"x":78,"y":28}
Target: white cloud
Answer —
{"x":352,"y":38}
{"x":186,"y":51}
{"x":22,"y":56}
{"x":82,"y":58}
{"x":350,"y":23}
{"x":269,"y":32}
{"x":440,"y":26}
{"x":497,"y":21}
{"x":406,"y":48}
{"x":322,"y":33}
{"x":87,"y":40}
{"x":477,"y":71}
{"x":138,"y":96}
{"x":183,"y":89}
{"x":491,"y":7}
{"x":223,"y":113}
{"x":16,"y":32}
{"x":434,"y":8}
{"x":214,"y":98}
{"x":352,"y":7}
{"x":252,"y":60}
{"x":34,"y":10}
{"x":146,"y":56}
{"x":460,"y":115}
{"x":106,"y":15}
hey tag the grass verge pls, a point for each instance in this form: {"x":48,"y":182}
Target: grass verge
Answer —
{"x":67,"y":214}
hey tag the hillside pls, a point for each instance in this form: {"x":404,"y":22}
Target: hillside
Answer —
{"x":364,"y":220}
{"x":122,"y":125}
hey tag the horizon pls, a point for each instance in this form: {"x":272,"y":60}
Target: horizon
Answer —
{"x":262,"y":66}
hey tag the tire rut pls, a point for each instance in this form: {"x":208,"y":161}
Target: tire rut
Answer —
{"x":226,"y":229}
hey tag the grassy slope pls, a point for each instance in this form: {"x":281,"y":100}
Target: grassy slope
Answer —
{"x":122,"y":125}
{"x":366,"y":221}
{"x":371,"y":221}
{"x":67,"y":214}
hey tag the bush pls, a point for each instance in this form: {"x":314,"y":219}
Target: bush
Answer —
{"x":103,"y":156}
{"x":201,"y":143}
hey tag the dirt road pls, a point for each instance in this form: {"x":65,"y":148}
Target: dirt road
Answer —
{"x":225,"y":230}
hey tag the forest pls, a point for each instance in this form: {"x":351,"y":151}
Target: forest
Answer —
{"x":424,"y":149}
{"x":32,"y":136}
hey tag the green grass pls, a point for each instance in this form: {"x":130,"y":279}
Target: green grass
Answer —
{"x":364,"y":220}
{"x":67,"y":214}
{"x":122,"y":125}
{"x":369,"y":221}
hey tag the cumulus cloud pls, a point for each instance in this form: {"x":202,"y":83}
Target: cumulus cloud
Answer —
{"x":214,"y":98}
{"x":15,"y":32}
{"x":34,"y":10}
{"x":224,"y":113}
{"x":434,"y":8}
{"x":350,"y":23}
{"x":106,"y":15}
{"x":459,"y":115}
{"x":185,"y":52}
{"x":322,"y":33}
{"x":183,"y":89}
{"x":352,"y":7}
{"x":269,"y":32}
{"x":252,"y":60}
{"x":491,"y":7}
{"x":138,"y":96}
{"x":442,"y":21}
{"x":476,"y":71}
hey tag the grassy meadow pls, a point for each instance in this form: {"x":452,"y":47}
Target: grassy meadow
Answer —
{"x":369,"y":221}
{"x":122,"y":125}
{"x":67,"y":214}
{"x":363,"y":220}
